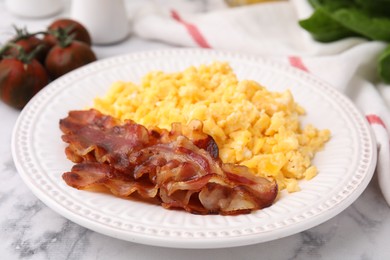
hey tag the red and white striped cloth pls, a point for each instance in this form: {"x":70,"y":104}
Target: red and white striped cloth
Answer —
{"x":271,"y":29}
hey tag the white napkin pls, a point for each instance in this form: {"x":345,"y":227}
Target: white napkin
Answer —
{"x":271,"y":29}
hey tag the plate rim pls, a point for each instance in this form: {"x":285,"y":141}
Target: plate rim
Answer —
{"x":172,"y":242}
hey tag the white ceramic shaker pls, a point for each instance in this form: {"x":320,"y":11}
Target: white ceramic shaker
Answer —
{"x":106,"y":20}
{"x":34,"y":8}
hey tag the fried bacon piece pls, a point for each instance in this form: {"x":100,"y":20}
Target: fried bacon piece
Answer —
{"x":180,"y":168}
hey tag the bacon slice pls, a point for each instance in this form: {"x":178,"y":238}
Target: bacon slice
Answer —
{"x":180,"y":168}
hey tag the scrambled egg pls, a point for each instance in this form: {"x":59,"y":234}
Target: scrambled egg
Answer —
{"x":251,"y":125}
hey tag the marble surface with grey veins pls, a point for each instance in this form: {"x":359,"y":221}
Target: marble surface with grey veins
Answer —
{"x":31,"y":230}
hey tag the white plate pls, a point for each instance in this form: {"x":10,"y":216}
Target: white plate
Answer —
{"x":345,"y":165}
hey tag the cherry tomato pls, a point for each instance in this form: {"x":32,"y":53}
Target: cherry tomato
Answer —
{"x":20,"y":81}
{"x":62,"y":59}
{"x":76,"y":28}
{"x":28,"y":42}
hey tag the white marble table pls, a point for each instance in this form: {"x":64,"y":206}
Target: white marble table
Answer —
{"x":31,"y":230}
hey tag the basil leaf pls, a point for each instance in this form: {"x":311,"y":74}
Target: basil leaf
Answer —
{"x":384,"y":65}
{"x":342,"y":17}
{"x":324,"y":28}
{"x":375,"y":7}
{"x":359,"y":21}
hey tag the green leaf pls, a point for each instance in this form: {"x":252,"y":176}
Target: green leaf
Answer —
{"x":344,"y":18}
{"x":361,"y":22}
{"x":324,"y":28}
{"x":384,"y":65}
{"x":375,"y":7}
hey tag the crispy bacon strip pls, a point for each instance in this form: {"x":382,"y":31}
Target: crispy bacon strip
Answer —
{"x":179,"y":167}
